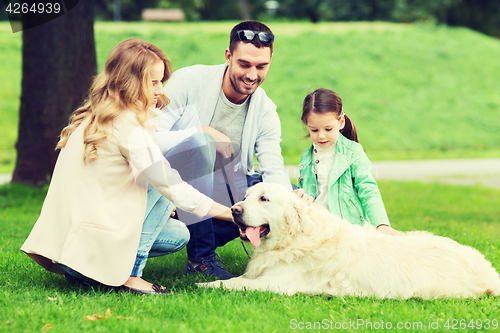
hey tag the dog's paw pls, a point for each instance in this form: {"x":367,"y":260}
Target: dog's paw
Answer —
{"x":214,"y":284}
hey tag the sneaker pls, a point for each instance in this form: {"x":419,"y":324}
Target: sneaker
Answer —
{"x":210,"y":267}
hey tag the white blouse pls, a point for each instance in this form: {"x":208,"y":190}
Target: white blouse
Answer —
{"x":323,"y":161}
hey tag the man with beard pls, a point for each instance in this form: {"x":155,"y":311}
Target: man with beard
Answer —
{"x":217,"y":118}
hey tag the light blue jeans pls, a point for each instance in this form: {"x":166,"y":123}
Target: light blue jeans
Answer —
{"x":160,"y":234}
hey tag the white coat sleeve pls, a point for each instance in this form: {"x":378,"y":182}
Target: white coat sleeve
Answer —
{"x":149,"y":165}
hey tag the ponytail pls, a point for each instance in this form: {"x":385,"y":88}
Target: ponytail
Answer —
{"x":349,"y":130}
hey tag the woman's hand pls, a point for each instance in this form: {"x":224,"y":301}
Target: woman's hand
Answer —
{"x":221,"y":212}
{"x":173,"y":212}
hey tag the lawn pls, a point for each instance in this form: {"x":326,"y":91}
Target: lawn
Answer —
{"x":33,"y":300}
{"x":413,"y":91}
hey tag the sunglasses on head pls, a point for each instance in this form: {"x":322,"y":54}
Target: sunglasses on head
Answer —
{"x":247,"y":36}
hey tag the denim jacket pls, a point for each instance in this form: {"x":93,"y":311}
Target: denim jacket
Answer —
{"x":353,"y":193}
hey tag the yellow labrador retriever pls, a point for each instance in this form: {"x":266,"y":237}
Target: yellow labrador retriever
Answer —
{"x":304,"y":248}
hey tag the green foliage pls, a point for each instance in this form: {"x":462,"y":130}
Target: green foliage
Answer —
{"x":338,"y":10}
{"x":32,"y":298}
{"x":130,"y":10}
{"x":191,"y":8}
{"x":421,"y":10}
{"x":10,"y":94}
{"x":366,"y":10}
{"x":480,"y":15}
{"x":221,"y":10}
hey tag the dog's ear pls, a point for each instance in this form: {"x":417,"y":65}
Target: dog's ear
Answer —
{"x":297,"y":217}
{"x":292,"y":216}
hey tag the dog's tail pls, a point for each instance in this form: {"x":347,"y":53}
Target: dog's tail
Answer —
{"x":494,"y":288}
{"x":493,"y":292}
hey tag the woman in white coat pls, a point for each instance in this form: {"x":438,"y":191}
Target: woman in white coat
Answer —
{"x":91,"y":220}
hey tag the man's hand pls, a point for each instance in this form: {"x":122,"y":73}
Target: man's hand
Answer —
{"x":302,"y":194}
{"x":385,"y":229}
{"x":222,"y":143}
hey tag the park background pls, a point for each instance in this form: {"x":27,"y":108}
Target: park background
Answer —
{"x":416,"y":87}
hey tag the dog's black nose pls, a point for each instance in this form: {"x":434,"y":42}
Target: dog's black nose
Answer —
{"x":237,"y":210}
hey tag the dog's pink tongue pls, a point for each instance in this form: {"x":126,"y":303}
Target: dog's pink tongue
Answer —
{"x":253,"y":235}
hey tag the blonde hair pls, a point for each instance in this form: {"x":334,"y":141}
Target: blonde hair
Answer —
{"x":124,"y":84}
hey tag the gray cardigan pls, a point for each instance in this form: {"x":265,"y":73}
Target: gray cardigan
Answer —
{"x":193,"y":93}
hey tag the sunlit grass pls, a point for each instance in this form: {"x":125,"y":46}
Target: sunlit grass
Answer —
{"x":32,"y":298}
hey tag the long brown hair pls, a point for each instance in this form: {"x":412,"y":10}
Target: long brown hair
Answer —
{"x":124,"y":84}
{"x":323,"y":101}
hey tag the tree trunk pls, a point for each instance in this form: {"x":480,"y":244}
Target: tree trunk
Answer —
{"x":245,"y":12}
{"x":59,"y":62}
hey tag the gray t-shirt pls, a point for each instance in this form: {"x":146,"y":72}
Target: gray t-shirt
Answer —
{"x":229,"y":119}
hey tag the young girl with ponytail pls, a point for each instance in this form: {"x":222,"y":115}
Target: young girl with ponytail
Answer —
{"x":335,"y":170}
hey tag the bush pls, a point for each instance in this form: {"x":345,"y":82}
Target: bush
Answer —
{"x":480,"y":15}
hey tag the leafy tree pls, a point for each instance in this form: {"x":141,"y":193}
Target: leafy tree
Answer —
{"x":418,"y":10}
{"x":480,"y":15}
{"x":130,"y":9}
{"x":191,"y":8}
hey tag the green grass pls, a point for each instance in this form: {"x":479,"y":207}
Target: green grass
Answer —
{"x":414,"y":91}
{"x":31,"y":298}
{"x":10,"y":95}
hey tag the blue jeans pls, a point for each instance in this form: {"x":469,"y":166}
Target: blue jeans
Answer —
{"x":160,"y":234}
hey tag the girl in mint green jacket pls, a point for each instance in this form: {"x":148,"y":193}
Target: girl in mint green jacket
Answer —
{"x":335,"y":170}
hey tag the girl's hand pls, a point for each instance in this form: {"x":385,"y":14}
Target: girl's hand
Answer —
{"x":173,"y":212}
{"x":386,"y":230}
{"x":303,"y":195}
